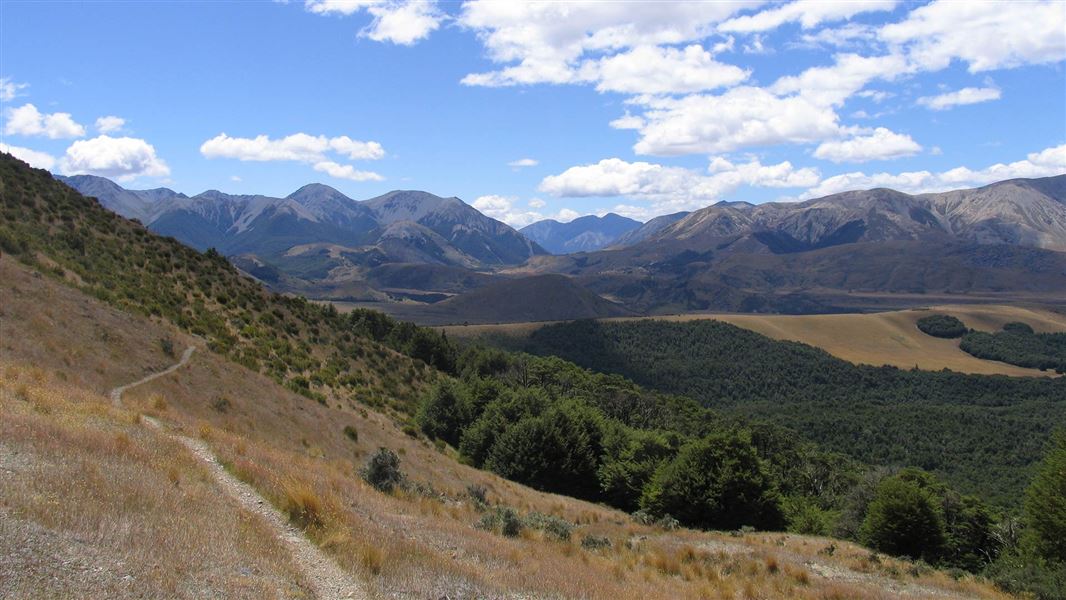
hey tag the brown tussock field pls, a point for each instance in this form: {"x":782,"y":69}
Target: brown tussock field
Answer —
{"x":887,"y":338}
{"x":151,"y":511}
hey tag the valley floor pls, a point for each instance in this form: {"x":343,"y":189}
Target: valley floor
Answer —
{"x":885,"y":338}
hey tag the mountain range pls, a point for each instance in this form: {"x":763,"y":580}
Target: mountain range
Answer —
{"x":583,"y":234}
{"x":854,"y":250}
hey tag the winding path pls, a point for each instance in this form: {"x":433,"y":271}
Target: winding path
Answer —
{"x":116,"y":394}
{"x":327,"y":580}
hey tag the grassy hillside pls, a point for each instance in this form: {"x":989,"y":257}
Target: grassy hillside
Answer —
{"x":308,"y":348}
{"x":981,"y":432}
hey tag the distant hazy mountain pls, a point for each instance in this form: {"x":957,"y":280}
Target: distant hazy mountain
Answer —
{"x":648,"y":229}
{"x":580,"y":235}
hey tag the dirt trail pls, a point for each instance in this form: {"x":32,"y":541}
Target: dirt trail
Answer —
{"x":327,"y":580}
{"x":116,"y":394}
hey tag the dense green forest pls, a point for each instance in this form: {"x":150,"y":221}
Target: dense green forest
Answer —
{"x":1018,"y":344}
{"x":654,"y":449}
{"x":980,"y":433}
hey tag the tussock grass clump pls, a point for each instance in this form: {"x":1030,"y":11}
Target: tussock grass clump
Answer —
{"x":302,"y":505}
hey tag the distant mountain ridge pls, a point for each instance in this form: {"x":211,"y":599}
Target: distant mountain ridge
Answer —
{"x":1023,"y":212}
{"x":856,"y":250}
{"x":580,"y":235}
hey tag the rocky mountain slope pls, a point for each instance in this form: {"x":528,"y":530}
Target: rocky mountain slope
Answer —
{"x":580,"y":235}
{"x":317,"y":228}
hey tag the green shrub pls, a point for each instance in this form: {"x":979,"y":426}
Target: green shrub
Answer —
{"x":351,"y":433}
{"x":382,"y":470}
{"x":595,"y":542}
{"x":903,"y":520}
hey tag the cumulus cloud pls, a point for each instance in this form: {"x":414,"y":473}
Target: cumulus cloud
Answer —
{"x":985,"y":35}
{"x":741,"y":117}
{"x":882,"y":144}
{"x":523,"y":162}
{"x":27,"y":120}
{"x":110,"y":124}
{"x":832,"y":85}
{"x":37,"y":160}
{"x":808,"y":13}
{"x":1048,"y":162}
{"x":299,"y":147}
{"x":9,"y":89}
{"x":121,"y":158}
{"x":345,"y":171}
{"x":502,"y":208}
{"x":658,"y":70}
{"x":968,"y":95}
{"x":673,"y":188}
{"x":400,"y":22}
{"x":550,"y":42}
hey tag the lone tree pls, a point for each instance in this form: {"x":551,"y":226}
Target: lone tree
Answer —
{"x":903,"y":519}
{"x":718,"y":482}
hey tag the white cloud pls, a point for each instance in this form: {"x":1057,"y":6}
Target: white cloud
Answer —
{"x":658,"y":70}
{"x":671,"y":189}
{"x":832,"y":85}
{"x":345,"y":171}
{"x":235,"y":178}
{"x":742,"y":117}
{"x":546,"y":42}
{"x":1048,"y":162}
{"x":968,"y":95}
{"x":985,"y":35}
{"x":27,"y":120}
{"x":808,"y":13}
{"x":523,"y":162}
{"x":299,"y":147}
{"x":9,"y":89}
{"x":122,"y":158}
{"x":400,"y":22}
{"x":882,"y":144}
{"x":355,"y":149}
{"x":37,"y":160}
{"x":502,"y":208}
{"x":110,"y":124}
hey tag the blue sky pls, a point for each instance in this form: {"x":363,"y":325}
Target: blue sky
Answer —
{"x":642,"y":108}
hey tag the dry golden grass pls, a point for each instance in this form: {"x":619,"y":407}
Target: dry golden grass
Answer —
{"x":887,"y":338}
{"x":93,"y":505}
{"x":295,"y":453}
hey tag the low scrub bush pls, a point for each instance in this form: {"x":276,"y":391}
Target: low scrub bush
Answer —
{"x":382,"y":470}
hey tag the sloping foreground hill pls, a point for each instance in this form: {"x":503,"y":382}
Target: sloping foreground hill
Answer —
{"x":63,"y":440}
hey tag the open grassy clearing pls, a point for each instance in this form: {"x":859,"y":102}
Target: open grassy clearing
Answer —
{"x":888,"y":338}
{"x":409,"y":544}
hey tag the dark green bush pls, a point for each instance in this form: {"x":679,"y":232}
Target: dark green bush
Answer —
{"x":942,"y":326}
{"x":382,"y":470}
